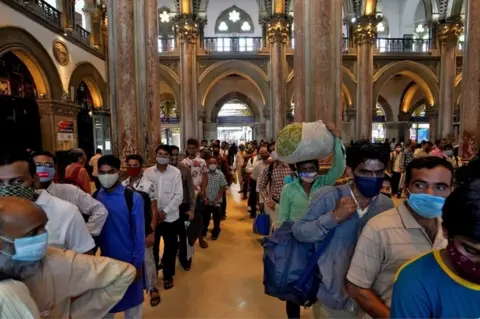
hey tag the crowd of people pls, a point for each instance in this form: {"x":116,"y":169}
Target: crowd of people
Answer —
{"x":413,"y":258}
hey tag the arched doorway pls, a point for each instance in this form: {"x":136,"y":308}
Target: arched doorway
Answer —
{"x":235,"y":122}
{"x":420,"y":130}
{"x":19,"y":112}
{"x":84,"y":99}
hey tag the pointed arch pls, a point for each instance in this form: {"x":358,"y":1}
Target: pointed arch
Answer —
{"x":87,"y":73}
{"x":33,"y":54}
{"x":234,"y":95}
{"x":172,"y":80}
{"x":419,"y":73}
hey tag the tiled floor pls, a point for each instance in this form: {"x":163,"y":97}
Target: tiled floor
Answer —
{"x":226,"y":278}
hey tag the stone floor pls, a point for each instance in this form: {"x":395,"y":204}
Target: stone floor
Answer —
{"x":226,"y":278}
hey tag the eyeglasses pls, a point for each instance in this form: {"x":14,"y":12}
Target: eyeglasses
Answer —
{"x":51,"y":165}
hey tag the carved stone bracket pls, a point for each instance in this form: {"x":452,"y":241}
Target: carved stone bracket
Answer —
{"x":365,"y":30}
{"x":188,"y":26}
{"x":449,"y":32}
{"x":278,"y":29}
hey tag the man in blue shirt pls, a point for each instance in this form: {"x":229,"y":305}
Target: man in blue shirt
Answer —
{"x":446,"y":283}
{"x":123,"y":236}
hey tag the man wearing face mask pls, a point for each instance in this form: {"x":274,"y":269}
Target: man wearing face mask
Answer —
{"x":168,"y":180}
{"x":55,"y":276}
{"x":395,"y":160}
{"x":88,"y":206}
{"x":366,"y":164}
{"x":394,"y":237}
{"x":239,"y":165}
{"x":445,"y":283}
{"x":257,"y":171}
{"x":18,"y":176}
{"x":123,"y":236}
{"x":213,"y":195}
{"x":222,"y":162}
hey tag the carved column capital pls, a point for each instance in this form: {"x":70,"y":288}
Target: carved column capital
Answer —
{"x":201,"y":114}
{"x":278,"y":29}
{"x":431,"y":111}
{"x":351,"y":113}
{"x":365,"y":30}
{"x":188,"y":26}
{"x":449,"y":32}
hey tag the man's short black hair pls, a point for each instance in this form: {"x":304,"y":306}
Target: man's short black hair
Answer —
{"x":10,"y":157}
{"x":44,"y":153}
{"x":362,"y":151}
{"x":75,"y":155}
{"x":98,"y":151}
{"x":135,"y":157}
{"x":110,"y":160}
{"x":448,"y":147}
{"x":429,"y":162}
{"x":461,"y":212}
{"x":206,"y":141}
{"x":164,"y":147}
{"x":269,"y":146}
{"x":194,"y":142}
{"x":174,"y":147}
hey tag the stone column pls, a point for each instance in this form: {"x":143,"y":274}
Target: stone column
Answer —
{"x":187,"y":29}
{"x":470,"y":109}
{"x":123,"y":95}
{"x":365,"y":34}
{"x":153,"y":135}
{"x":318,"y":60}
{"x":448,"y":34}
{"x":68,"y":15}
{"x":432,"y":113}
{"x":278,"y":39}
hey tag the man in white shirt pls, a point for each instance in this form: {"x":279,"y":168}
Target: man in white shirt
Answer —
{"x":94,"y":164}
{"x":255,"y":173}
{"x":55,"y":276}
{"x":88,"y":206}
{"x":67,"y":229}
{"x":16,"y":301}
{"x":168,"y":180}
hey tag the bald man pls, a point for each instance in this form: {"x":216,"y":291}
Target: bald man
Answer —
{"x":55,"y":276}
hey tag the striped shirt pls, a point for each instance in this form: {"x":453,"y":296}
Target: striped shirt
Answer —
{"x":216,"y":182}
{"x":16,"y":301}
{"x":86,"y":204}
{"x":387,"y":242}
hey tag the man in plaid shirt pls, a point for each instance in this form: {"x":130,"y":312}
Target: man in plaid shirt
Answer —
{"x":407,"y":157}
{"x":216,"y":186}
{"x":271,"y":183}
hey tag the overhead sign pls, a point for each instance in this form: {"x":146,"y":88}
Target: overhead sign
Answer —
{"x":65,"y":127}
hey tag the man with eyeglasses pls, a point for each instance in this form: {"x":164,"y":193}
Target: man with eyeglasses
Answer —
{"x":168,"y":181}
{"x":394,"y":237}
{"x":46,"y":168}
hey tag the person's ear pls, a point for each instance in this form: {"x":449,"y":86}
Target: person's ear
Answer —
{"x":349,"y":171}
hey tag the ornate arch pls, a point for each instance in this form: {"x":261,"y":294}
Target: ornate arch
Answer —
{"x":237,"y":26}
{"x":387,"y":109}
{"x":234,"y":96}
{"x":220,"y":70}
{"x":166,"y":96}
{"x":33,"y":54}
{"x":419,"y":73}
{"x":87,"y":73}
{"x":172,"y":80}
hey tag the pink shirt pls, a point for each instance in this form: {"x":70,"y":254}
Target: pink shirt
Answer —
{"x":438,"y":153}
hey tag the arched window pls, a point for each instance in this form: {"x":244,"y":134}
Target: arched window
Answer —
{"x":234,"y":20}
{"x":166,"y":36}
{"x":15,"y":78}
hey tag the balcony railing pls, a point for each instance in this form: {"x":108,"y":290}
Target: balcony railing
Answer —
{"x":45,"y":10}
{"x":81,"y":33}
{"x":345,"y":44}
{"x":166,"y":44}
{"x":233,"y":44}
{"x":403,"y":45}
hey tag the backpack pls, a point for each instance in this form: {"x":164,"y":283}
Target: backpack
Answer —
{"x":290,"y":267}
{"x":72,"y":179}
{"x":147,"y":209}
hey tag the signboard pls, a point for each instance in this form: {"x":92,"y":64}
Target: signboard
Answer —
{"x":65,"y":127}
{"x":65,"y":137}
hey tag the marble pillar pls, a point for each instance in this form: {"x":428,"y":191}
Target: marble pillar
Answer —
{"x":365,"y":34}
{"x":448,"y":35}
{"x":123,"y":95}
{"x":470,"y":108}
{"x":432,"y":114}
{"x":187,"y":30}
{"x":153,"y":78}
{"x":318,"y":60}
{"x":278,"y":39}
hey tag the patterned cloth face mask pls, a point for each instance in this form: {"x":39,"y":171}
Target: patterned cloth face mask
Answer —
{"x":18,"y":191}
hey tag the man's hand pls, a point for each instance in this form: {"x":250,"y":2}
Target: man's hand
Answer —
{"x":162,"y":216}
{"x":138,"y":275}
{"x":190,"y":215}
{"x":346,"y":207}
{"x":332,"y":128}
{"x":271,"y":205}
{"x":149,"y":240}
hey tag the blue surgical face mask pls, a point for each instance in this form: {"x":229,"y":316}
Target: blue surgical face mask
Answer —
{"x":46,"y":174}
{"x":29,"y":248}
{"x":425,"y":205}
{"x":369,"y":186}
